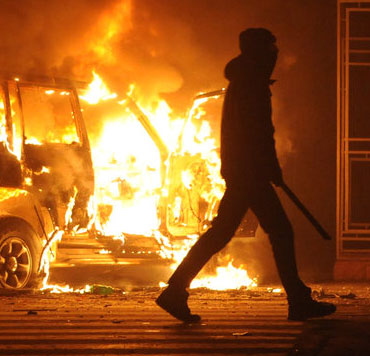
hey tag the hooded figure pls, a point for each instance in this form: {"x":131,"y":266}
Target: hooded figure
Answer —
{"x":247,"y":143}
{"x":249,"y":166}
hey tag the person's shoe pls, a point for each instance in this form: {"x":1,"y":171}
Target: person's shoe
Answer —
{"x":309,"y":308}
{"x":175,"y":302}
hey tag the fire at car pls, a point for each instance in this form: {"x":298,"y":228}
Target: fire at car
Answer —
{"x":129,"y":191}
{"x":94,"y":176}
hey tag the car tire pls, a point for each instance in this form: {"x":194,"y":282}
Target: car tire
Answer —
{"x":20,"y":252}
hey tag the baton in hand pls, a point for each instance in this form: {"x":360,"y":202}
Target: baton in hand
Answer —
{"x":324,"y":234}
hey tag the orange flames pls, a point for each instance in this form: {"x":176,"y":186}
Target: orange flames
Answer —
{"x":127,"y":166}
{"x":228,"y":277}
{"x":3,"y":134}
{"x":129,"y":181}
{"x":127,"y":170}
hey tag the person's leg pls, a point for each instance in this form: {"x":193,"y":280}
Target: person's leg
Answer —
{"x":273,"y":219}
{"x":230,"y":213}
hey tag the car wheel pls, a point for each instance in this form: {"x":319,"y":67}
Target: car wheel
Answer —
{"x":20,"y":250}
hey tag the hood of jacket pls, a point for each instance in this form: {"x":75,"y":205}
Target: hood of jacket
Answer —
{"x":246,"y":68}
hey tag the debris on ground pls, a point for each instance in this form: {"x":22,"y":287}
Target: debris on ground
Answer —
{"x":350,"y":295}
{"x":102,"y":289}
{"x":275,"y":290}
{"x":245,"y":333}
{"x":321,"y":293}
{"x":32,"y":312}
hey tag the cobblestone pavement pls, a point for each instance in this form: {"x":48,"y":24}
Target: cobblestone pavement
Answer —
{"x":234,"y":323}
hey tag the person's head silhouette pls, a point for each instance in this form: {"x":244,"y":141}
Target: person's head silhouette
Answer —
{"x":256,"y":39}
{"x":259,"y":45}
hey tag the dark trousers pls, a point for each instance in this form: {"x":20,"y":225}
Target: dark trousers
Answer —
{"x":264,"y":202}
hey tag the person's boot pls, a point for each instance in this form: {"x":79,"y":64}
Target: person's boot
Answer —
{"x":175,"y":302}
{"x":306,"y":308}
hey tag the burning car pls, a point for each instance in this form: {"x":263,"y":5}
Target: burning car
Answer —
{"x":55,"y":187}
{"x":45,"y":162}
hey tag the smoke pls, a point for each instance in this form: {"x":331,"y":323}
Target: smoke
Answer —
{"x":39,"y":35}
{"x":165,"y":46}
{"x":72,"y":37}
{"x":173,"y":49}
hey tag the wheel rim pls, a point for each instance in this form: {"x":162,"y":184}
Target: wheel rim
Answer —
{"x":15,"y":263}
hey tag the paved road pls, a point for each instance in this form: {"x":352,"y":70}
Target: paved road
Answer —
{"x":234,"y":323}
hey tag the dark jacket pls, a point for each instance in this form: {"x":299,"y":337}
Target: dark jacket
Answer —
{"x":247,"y":143}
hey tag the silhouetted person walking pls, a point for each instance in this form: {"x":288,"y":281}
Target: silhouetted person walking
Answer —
{"x":249,"y":165}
